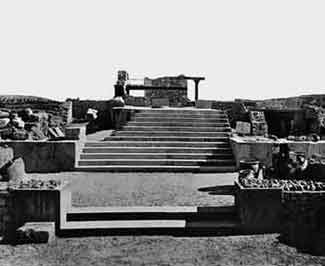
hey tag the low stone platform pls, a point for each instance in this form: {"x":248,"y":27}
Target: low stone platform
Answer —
{"x":147,"y":189}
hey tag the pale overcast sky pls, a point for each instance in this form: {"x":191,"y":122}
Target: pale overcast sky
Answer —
{"x":245,"y":49}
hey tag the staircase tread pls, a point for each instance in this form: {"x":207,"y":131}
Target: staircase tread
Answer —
{"x":161,"y":147}
{"x":209,"y":132}
{"x":153,"y":209}
{"x":124,"y":224}
{"x":213,"y":224}
{"x":160,"y":153}
{"x":166,"y":138}
{"x":134,"y":224}
{"x":199,"y":136}
{"x":160,"y":160}
{"x":178,"y":127}
{"x":156,"y":166}
{"x":140,"y":141}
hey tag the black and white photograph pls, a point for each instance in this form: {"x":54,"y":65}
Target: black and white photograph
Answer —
{"x":162,"y":133}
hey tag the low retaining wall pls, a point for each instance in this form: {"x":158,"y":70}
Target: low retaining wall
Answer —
{"x":261,"y":150}
{"x":259,"y":210}
{"x":298,"y":215}
{"x":46,"y":156}
{"x":243,"y":150}
{"x":304,"y":219}
{"x":4,"y":210}
{"x":50,"y":156}
{"x":20,"y":206}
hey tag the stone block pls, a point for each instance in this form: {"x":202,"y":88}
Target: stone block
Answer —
{"x":260,"y":210}
{"x":204,"y":104}
{"x":6,"y":154}
{"x":59,"y":132}
{"x":35,"y":233}
{"x":243,"y":128}
{"x":3,"y":202}
{"x":159,"y":102}
{"x":16,"y":171}
{"x":46,"y":156}
{"x":76,"y":132}
{"x":36,"y":134}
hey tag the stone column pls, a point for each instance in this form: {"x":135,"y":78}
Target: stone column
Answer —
{"x":196,"y":81}
{"x":119,"y":90}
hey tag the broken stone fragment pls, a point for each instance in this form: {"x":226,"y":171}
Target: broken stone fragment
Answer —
{"x":36,"y":134}
{"x":19,"y":134}
{"x":35,"y":233}
{"x":18,"y":122}
{"x":4,"y":122}
{"x":15,"y":171}
{"x":4,"y":114}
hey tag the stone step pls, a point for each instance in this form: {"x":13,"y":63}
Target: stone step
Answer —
{"x":124,"y":224}
{"x":180,"y":116}
{"x":171,"y":133}
{"x":189,"y":213}
{"x":177,"y":124}
{"x":193,"y":129}
{"x":156,"y":144}
{"x":157,"y":162}
{"x":167,"y":138}
{"x":151,"y":227}
{"x":159,"y":168}
{"x":155,"y":150}
{"x":181,"y":119}
{"x":181,"y":111}
{"x":193,"y":156}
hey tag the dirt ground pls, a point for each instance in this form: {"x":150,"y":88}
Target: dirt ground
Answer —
{"x":100,"y":189}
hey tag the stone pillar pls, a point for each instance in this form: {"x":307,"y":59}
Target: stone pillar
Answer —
{"x":196,"y":81}
{"x":122,"y":77}
{"x":119,"y":90}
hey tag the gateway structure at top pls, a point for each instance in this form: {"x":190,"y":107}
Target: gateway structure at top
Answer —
{"x":172,"y":88}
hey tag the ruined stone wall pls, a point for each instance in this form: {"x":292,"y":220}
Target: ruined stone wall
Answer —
{"x":288,"y":103}
{"x":236,"y":111}
{"x":104,"y":107}
{"x":304,"y":220}
{"x":61,"y":110}
{"x":4,"y":210}
{"x":258,"y":123}
{"x":136,"y":100}
{"x":166,"y":82}
{"x":176,"y":97}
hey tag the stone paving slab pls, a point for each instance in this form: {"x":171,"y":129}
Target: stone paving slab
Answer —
{"x":144,"y":189}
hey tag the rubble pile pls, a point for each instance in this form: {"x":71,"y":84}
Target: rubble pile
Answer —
{"x":28,"y":125}
{"x":247,"y":180}
{"x":36,"y":184}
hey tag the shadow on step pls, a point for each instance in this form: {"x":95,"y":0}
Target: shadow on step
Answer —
{"x":219,"y":190}
{"x":177,"y":232}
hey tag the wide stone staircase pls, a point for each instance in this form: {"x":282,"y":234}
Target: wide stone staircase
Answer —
{"x":170,"y":140}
